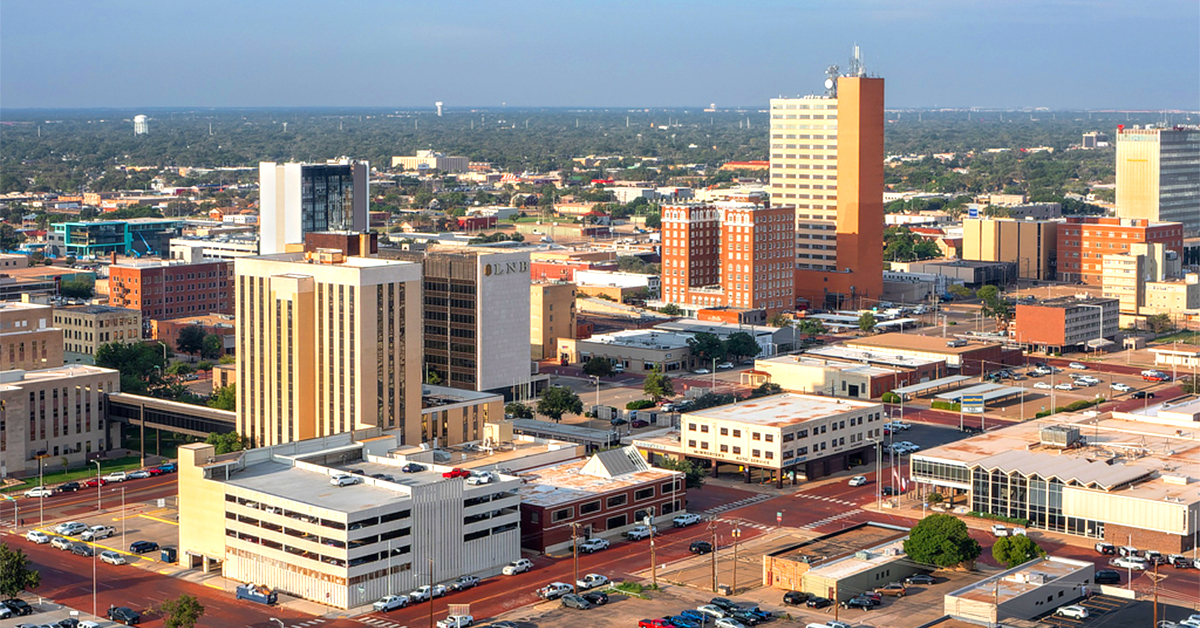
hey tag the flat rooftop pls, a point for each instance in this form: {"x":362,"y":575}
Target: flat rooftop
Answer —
{"x":714,"y":327}
{"x":841,"y":543}
{"x":815,"y":362}
{"x":914,"y":342}
{"x":1066,"y":303}
{"x":564,"y":483}
{"x":643,"y":338}
{"x":783,"y":410}
{"x":17,"y":377}
{"x":1021,"y":580}
{"x":311,"y":488}
{"x":97,"y":309}
{"x":434,"y":396}
{"x":852,"y":564}
{"x":873,"y":356}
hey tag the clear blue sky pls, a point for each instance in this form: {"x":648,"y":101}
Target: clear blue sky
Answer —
{"x":1094,"y":54}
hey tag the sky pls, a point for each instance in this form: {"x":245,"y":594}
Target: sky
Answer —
{"x":1060,"y":54}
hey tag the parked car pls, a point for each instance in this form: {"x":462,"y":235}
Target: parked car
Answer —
{"x":638,"y":533}
{"x":1078,"y":366}
{"x":1126,"y":550}
{"x":426,"y":592}
{"x":1042,"y":386}
{"x":39,"y":491}
{"x":656,"y":622}
{"x":456,"y":621}
{"x":140,"y":474}
{"x":69,"y":487}
{"x":724,"y":366}
{"x":143,"y":547}
{"x":795,"y":598}
{"x":37,"y":536}
{"x":571,"y":600}
{"x":639,"y":423}
{"x":593,"y":545}
{"x":679,"y":621}
{"x":1120,"y":387}
{"x":597,"y":598}
{"x":858,"y":480}
{"x":700,"y":547}
{"x":520,"y":565}
{"x":18,"y":606}
{"x":554,"y":590}
{"x":390,"y":603}
{"x":1136,"y":563}
{"x":6,"y":612}
{"x":999,"y":529}
{"x":702,"y":371}
{"x":712,"y":610}
{"x":70,"y":528}
{"x":1073,"y":611}
{"x":892,"y":589}
{"x":1142,"y":394}
{"x":462,"y":583}
{"x":889,"y":491}
{"x":686,"y":519}
{"x":82,"y":549}
{"x":1105,"y":548}
{"x":859,"y":601}
{"x":112,"y":558}
{"x":1064,"y":386}
{"x":591,"y":581}
{"x":456,"y":473}
{"x":617,"y":422}
{"x":155,"y":471}
{"x":116,"y":476}
{"x":725,"y":604}
{"x":412,"y":467}
{"x":1107,"y":576}
{"x":124,"y":615}
{"x":168,"y":467}
{"x":920,"y":578}
{"x":95,"y":533}
{"x":61,"y":542}
{"x":817,"y":602}
{"x":344,"y":479}
{"x":485,"y":477}
{"x":728,"y":622}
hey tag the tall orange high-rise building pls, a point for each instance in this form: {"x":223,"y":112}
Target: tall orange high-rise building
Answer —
{"x":827,"y":165}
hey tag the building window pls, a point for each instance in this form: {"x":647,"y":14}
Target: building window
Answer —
{"x":703,"y":429}
{"x":692,"y":444}
{"x":737,"y":433}
{"x":724,"y":449}
{"x":613,"y":523}
{"x":644,"y":494}
{"x":737,"y":450}
{"x":755,"y":436}
{"x":769,"y":437}
{"x":756,"y":453}
{"x":617,"y":500}
{"x":724,"y":431}
{"x":560,"y":515}
{"x":589,"y":507}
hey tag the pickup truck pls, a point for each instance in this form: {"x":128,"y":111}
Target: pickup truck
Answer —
{"x":638,"y":533}
{"x":96,"y":533}
{"x":257,"y":593}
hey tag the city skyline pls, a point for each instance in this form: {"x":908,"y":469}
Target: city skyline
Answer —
{"x":1060,"y":55}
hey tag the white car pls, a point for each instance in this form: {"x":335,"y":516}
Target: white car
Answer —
{"x":112,"y":558}
{"x":637,"y":533}
{"x":1073,"y":611}
{"x":858,"y":480}
{"x":70,"y":528}
{"x":1042,"y":386}
{"x":37,"y":537}
{"x":554,"y":590}
{"x":1137,"y":563}
{"x":999,"y":530}
{"x":1122,"y":387}
{"x":712,"y":610}
{"x":1078,"y":366}
{"x":95,"y":533}
{"x":343,"y":479}
{"x":1064,"y":386}
{"x":422,"y":593}
{"x":5,"y":612}
{"x":457,"y":621}
{"x":483,"y":477}
{"x":897,"y":425}
{"x":686,"y":519}
{"x":390,"y":603}
{"x":593,"y":545}
{"x":520,"y":565}
{"x":39,"y":491}
{"x":724,"y":366}
{"x":702,"y":371}
{"x":116,"y":476}
{"x":729,"y":622}
{"x":591,"y":581}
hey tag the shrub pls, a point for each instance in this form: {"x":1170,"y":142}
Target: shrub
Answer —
{"x":945,"y":405}
{"x":639,"y":404}
{"x":1001,"y":518}
{"x":890,"y":397}
{"x":934,"y":498}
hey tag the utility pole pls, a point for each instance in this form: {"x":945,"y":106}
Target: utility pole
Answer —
{"x":653,"y":559}
{"x":712,"y":527}
{"x":575,"y":556}
{"x":737,"y":534}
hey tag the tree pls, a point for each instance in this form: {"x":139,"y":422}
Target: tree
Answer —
{"x":518,"y":410}
{"x":658,"y":386}
{"x":16,"y":574}
{"x":693,"y":474}
{"x":82,"y":287}
{"x":741,"y":345}
{"x":224,"y":398}
{"x":767,"y":388}
{"x":866,"y":322}
{"x":941,"y":540}
{"x":599,"y":367}
{"x":136,"y":362}
{"x":9,"y":237}
{"x":960,"y":291}
{"x":191,"y":339}
{"x":994,"y":305}
{"x":227,"y":442}
{"x":557,"y":401}
{"x":433,"y":378}
{"x":213,"y":346}
{"x":671,"y":309}
{"x":811,"y":327}
{"x":182,"y":612}
{"x":1015,"y":550}
{"x":1159,"y":323}
{"x":706,"y":346}
{"x":180,"y":368}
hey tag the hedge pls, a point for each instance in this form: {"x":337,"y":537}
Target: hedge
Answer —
{"x":639,"y":404}
{"x":890,"y":397}
{"x":945,"y":405}
{"x":1001,"y":518}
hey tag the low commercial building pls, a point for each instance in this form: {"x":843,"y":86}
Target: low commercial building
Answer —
{"x":1123,"y":478}
{"x":87,"y":327}
{"x":785,"y":568}
{"x":600,"y":497}
{"x":1030,"y":244}
{"x":776,"y":436}
{"x":769,"y":339}
{"x":969,"y":273}
{"x":167,"y":331}
{"x":1024,"y":592}
{"x":552,"y":316}
{"x":453,"y":415}
{"x":426,"y":160}
{"x":53,"y":413}
{"x":136,"y":236}
{"x":847,"y":576}
{"x":1067,"y":322}
{"x":802,"y":374}
{"x":969,"y":357}
{"x":637,"y":350}
{"x":1177,"y":355}
{"x":273,"y":516}
{"x":29,"y":340}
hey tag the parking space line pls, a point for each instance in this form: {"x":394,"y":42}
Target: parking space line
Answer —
{"x":174,"y":523}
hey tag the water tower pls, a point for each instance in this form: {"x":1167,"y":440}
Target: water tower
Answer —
{"x":141,"y":125}
{"x":439,"y":108}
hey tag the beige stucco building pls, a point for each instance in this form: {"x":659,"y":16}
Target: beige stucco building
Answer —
{"x":1148,"y":280}
{"x":271,"y":516}
{"x":327,"y":344}
{"x":551,"y":316}
{"x":57,"y":413}
{"x":86,"y":327}
{"x":1031,"y":244}
{"x":28,"y":338}
{"x":432,"y":160}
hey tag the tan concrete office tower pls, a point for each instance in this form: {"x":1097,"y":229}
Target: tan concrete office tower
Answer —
{"x":827,"y":165}
{"x":1158,"y":175}
{"x":327,"y":344}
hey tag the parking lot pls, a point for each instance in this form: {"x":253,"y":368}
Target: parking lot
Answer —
{"x":137,"y":522}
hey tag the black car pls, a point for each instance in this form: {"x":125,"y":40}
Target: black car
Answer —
{"x":18,"y":606}
{"x":1108,"y":576}
{"x":887,"y":491}
{"x":920,"y":578}
{"x":1142,"y":394}
{"x":618,"y":421}
{"x":859,"y":601}
{"x":725,"y":604}
{"x":597,"y":598}
{"x":69,"y":487}
{"x":69,"y":622}
{"x":81,"y":549}
{"x":124,"y":615}
{"x":749,"y":618}
{"x":571,"y":600}
{"x":795,"y":598}
{"x":700,"y":547}
{"x":817,"y":602}
{"x":412,"y":467}
{"x":143,"y":547}
{"x":1182,"y":564}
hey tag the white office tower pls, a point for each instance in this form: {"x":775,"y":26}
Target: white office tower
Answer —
{"x":295,"y":199}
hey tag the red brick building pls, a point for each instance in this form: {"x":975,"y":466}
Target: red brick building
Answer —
{"x":1083,"y":241}
{"x":605,"y":495}
{"x":172,"y":288}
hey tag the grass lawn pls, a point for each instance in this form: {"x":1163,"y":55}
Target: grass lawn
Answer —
{"x":1189,"y":337}
{"x":55,"y":475}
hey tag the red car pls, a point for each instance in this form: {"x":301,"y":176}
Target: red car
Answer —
{"x":655,"y":623}
{"x":155,"y":471}
{"x":456,"y":473}
{"x":95,"y":482}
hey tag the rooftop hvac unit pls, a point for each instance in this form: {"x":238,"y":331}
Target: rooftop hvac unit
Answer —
{"x":862,"y":555}
{"x":1061,"y":436}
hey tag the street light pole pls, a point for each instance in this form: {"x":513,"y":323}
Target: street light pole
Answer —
{"x":712,"y":527}
{"x":737,"y":534}
{"x":98,"y":481}
{"x":575,"y":556}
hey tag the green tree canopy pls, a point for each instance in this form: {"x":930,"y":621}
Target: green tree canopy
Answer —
{"x":180,"y":368}
{"x":518,"y":410}
{"x":706,"y":346}
{"x":182,"y":612}
{"x":191,"y":340}
{"x":693,"y":473}
{"x":811,"y":327}
{"x":224,"y":398}
{"x":1014,"y":550}
{"x":671,"y":309}
{"x":960,"y":291}
{"x":16,"y":572}
{"x":136,"y":362}
{"x":599,"y":367}
{"x":658,"y":386}
{"x":741,"y":345}
{"x":227,"y":442}
{"x":557,"y":401}
{"x":1159,"y":323}
{"x":941,"y":540}
{"x":213,"y":346}
{"x":79,"y":287}
{"x":866,"y":322}
{"x":994,"y":304}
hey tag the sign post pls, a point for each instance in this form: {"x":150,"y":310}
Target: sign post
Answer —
{"x":972,"y":404}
